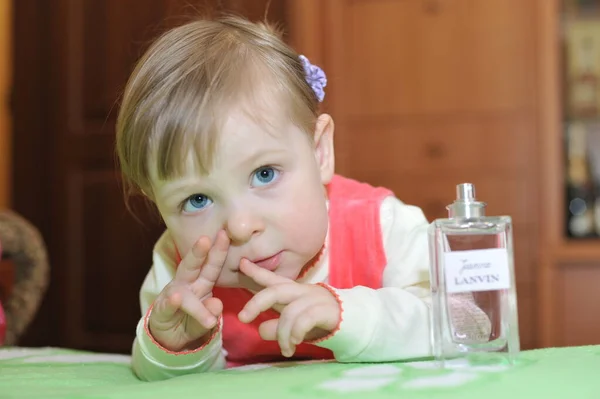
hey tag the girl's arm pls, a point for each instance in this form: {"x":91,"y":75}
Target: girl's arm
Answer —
{"x":393,"y":322}
{"x":150,"y":361}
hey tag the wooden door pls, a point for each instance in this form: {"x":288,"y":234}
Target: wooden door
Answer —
{"x":5,"y":122}
{"x":425,"y":72}
{"x":427,"y":94}
{"x":72,"y":59}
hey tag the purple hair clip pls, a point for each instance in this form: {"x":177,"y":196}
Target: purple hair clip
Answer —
{"x":315,"y":77}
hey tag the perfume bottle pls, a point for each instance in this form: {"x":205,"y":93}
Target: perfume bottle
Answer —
{"x":474,"y":302}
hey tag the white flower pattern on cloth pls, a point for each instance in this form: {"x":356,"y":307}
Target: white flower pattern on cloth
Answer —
{"x":457,"y":372}
{"x":367,"y":378}
{"x":359,"y":378}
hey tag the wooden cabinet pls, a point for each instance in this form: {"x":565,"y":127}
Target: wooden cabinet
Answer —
{"x":572,"y":297}
{"x":569,"y":270}
{"x":431,"y":57}
{"x":429,"y":94}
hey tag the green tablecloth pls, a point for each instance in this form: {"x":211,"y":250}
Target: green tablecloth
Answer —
{"x":572,"y":373}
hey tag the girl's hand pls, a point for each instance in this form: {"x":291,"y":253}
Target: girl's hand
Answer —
{"x":308,"y":311}
{"x":185,"y":311}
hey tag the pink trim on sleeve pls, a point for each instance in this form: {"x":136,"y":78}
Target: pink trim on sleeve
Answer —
{"x":337,"y":328}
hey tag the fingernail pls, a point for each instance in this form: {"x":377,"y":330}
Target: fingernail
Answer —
{"x":211,"y":322}
{"x":242,"y":315}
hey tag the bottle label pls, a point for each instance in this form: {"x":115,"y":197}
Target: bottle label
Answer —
{"x":477,"y":270}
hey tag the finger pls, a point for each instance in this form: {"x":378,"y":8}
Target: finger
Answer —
{"x":303,"y":324}
{"x":288,"y":319}
{"x":190,"y":266}
{"x":281,"y":294}
{"x":262,"y":277}
{"x":215,"y":260}
{"x":194,"y":307}
{"x":164,"y":310}
{"x":214,"y":306}
{"x":268,"y":330}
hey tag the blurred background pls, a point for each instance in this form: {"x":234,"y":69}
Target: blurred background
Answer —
{"x":426,"y":94}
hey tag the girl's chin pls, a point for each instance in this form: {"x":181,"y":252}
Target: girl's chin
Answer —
{"x":291,"y":273}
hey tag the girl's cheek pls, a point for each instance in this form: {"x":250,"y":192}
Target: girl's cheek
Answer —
{"x":189,"y":231}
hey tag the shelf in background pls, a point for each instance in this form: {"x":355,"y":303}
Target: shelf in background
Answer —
{"x":577,"y":251}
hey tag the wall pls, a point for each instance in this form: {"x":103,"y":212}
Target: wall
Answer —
{"x":5,"y":76}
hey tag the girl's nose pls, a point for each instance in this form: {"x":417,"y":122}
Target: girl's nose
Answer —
{"x":242,"y":224}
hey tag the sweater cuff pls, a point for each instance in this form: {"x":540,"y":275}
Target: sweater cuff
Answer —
{"x":358,"y":322}
{"x":154,"y":351}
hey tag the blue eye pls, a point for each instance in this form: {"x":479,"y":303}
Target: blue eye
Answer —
{"x":264,"y":176}
{"x":195,"y":203}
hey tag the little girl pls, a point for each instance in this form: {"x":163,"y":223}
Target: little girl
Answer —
{"x":268,"y":254}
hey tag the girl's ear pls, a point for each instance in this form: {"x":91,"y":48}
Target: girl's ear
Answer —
{"x":324,"y":153}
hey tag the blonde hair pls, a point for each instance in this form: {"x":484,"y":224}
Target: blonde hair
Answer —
{"x":186,"y":83}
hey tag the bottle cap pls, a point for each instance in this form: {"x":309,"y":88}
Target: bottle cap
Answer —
{"x":466,"y":204}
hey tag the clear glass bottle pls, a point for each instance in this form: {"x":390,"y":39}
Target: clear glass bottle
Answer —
{"x":474,"y":302}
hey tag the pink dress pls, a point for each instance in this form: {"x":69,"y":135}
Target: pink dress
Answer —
{"x":356,"y":257}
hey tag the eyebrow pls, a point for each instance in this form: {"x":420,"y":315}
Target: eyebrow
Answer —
{"x":174,"y":189}
{"x":252,"y":158}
